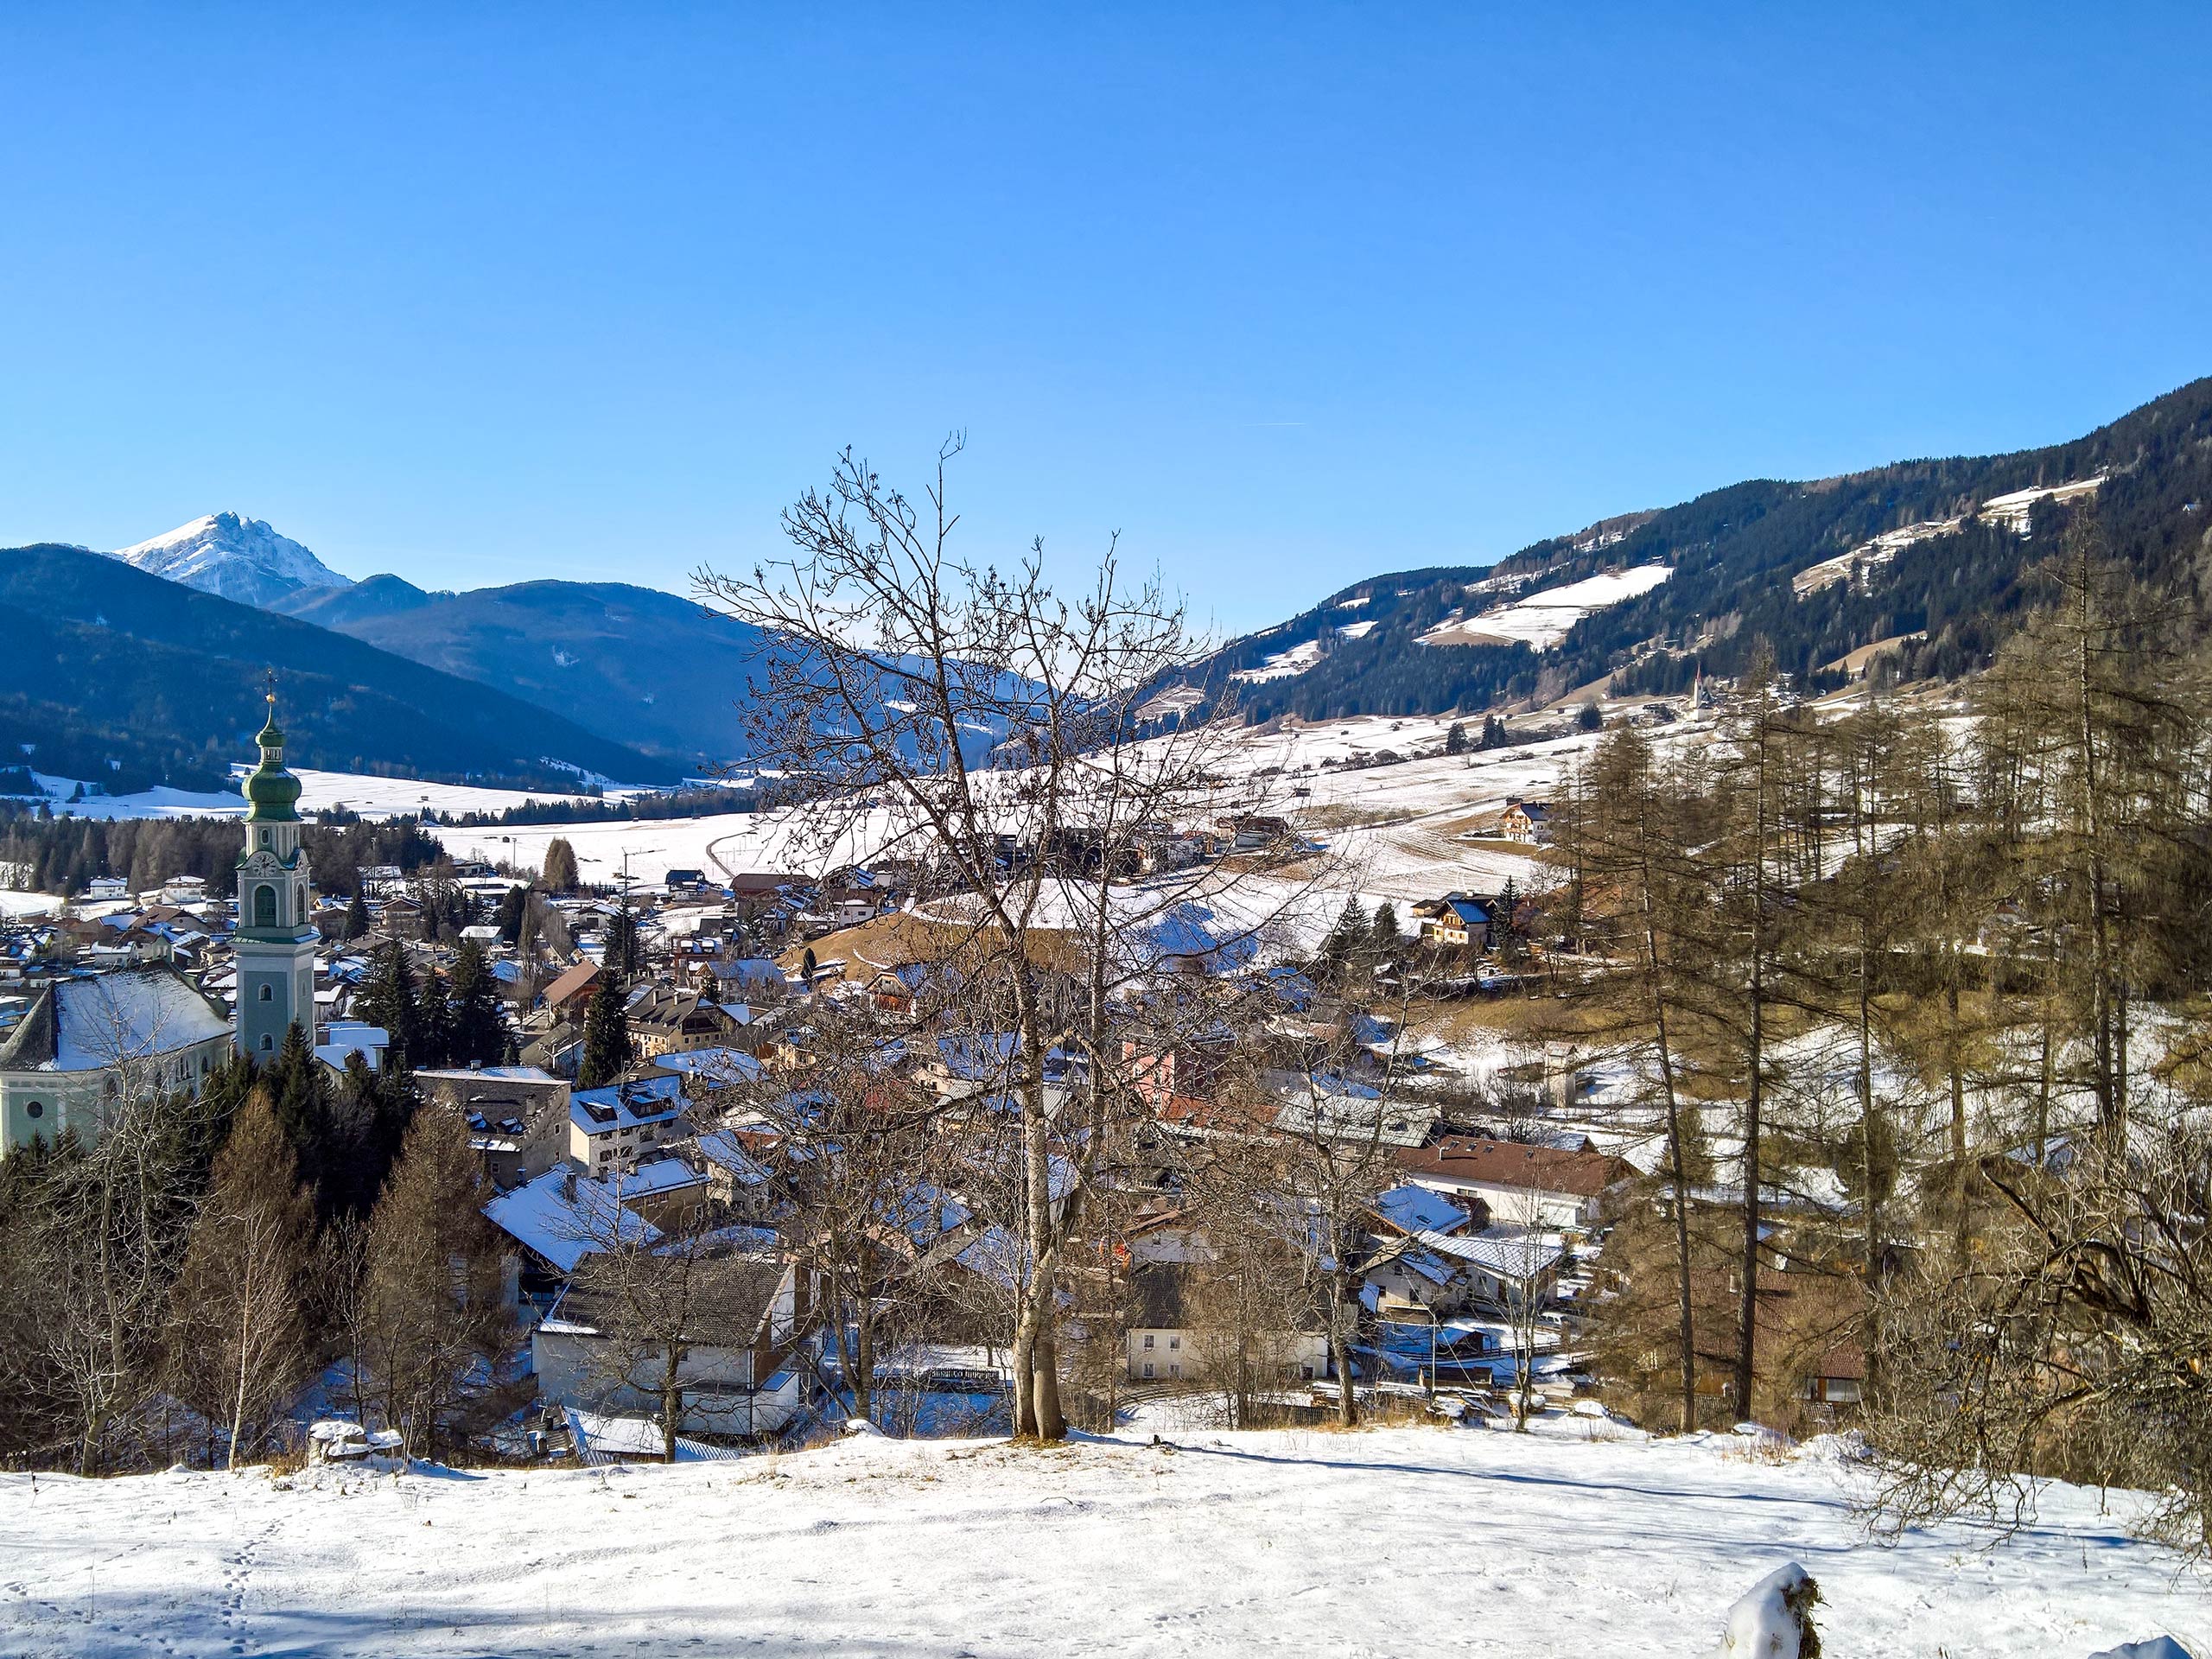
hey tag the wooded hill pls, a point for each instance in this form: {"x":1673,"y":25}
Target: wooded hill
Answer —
{"x":1734,"y":553}
{"x":110,"y":674}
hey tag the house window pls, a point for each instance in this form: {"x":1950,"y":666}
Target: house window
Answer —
{"x":1148,"y":1339}
{"x":264,"y":907}
{"x":36,"y":1108}
{"x":1174,"y":1342}
{"x":265,"y":837}
{"x":1174,"y":1370}
{"x":1147,"y":1368}
{"x":268,"y":993}
{"x":268,"y":1043}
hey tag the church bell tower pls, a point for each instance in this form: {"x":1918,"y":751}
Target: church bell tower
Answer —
{"x":275,"y":942}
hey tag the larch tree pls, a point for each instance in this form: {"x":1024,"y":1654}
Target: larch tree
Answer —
{"x":432,"y":1309}
{"x":559,"y":874}
{"x":237,"y":1332}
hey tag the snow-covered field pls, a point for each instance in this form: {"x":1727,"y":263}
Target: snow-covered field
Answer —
{"x":372,"y":796}
{"x":1541,"y":621}
{"x":1389,"y":1543}
{"x":1283,"y":665}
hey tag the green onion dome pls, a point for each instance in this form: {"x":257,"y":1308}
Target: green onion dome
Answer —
{"x":273,"y":793}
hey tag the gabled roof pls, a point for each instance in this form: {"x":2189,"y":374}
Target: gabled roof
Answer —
{"x":84,"y":1025}
{"x":651,"y":1099}
{"x":576,"y":980}
{"x":1512,"y":1163}
{"x":1412,"y":1208}
{"x":564,"y":1217}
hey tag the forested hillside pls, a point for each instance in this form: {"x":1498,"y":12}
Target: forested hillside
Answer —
{"x":638,"y":667}
{"x":1734,"y":553}
{"x":109,"y":673}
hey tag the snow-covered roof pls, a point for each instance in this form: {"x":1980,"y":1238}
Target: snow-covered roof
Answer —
{"x":1420,"y":1209}
{"x":564,"y":1217}
{"x":723,"y":1148}
{"x":84,"y":1025}
{"x":626,"y":1105}
{"x":652,"y":1177}
{"x":491,"y":1073}
{"x":1503,"y":1252}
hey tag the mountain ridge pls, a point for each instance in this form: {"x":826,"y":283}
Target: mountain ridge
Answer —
{"x":108,"y":671}
{"x":234,"y":557}
{"x":1733,"y":553}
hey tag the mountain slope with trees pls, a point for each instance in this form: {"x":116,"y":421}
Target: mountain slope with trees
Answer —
{"x":1734,"y":553}
{"x":635,"y":665}
{"x":113,"y":674}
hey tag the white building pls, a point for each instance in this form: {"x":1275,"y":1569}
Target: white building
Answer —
{"x":85,"y":1046}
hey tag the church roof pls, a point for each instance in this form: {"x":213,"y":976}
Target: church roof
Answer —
{"x":83,"y":1025}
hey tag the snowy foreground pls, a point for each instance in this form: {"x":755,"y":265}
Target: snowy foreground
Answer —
{"x":1388,"y":1542}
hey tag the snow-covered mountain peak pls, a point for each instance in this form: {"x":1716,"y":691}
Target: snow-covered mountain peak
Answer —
{"x":234,"y":557}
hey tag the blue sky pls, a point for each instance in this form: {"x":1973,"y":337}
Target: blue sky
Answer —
{"x":1287,"y":295}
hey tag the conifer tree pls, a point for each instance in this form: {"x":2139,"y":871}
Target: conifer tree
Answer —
{"x":432,"y":1313}
{"x":434,"y":1023}
{"x":509,"y":919}
{"x":621,"y":953}
{"x":357,"y":917}
{"x":1455,"y":741}
{"x":387,"y":999}
{"x":298,"y":1089}
{"x":238,"y":1335}
{"x":479,"y":1034}
{"x":607,"y":1035}
{"x":1383,"y":934}
{"x":559,"y":873}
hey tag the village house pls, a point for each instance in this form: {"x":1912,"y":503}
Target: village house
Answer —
{"x":569,"y":995}
{"x":614,"y":1126}
{"x":665,"y":1020}
{"x":1526,"y":822}
{"x":1165,"y":1338}
{"x":518,"y":1115}
{"x":1457,"y":920}
{"x":743,"y":1378}
{"x":1517,"y":1183}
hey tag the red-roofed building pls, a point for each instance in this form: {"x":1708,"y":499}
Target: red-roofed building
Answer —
{"x":1519,"y":1183}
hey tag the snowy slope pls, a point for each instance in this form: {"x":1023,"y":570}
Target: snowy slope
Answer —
{"x":1391,"y":1542}
{"x":234,"y":557}
{"x":1541,"y":621}
{"x":370,"y":796}
{"x":1283,"y":665}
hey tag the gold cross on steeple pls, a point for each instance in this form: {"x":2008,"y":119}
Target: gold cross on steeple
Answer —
{"x":269,"y":683}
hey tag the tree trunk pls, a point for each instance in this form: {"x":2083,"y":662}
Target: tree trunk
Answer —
{"x":1676,"y":1156}
{"x":238,"y":1409}
{"x":1754,"y":1097}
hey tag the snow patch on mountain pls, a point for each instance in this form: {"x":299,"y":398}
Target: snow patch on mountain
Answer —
{"x":1541,"y":621}
{"x":1284,"y":664}
{"x":234,"y":557}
